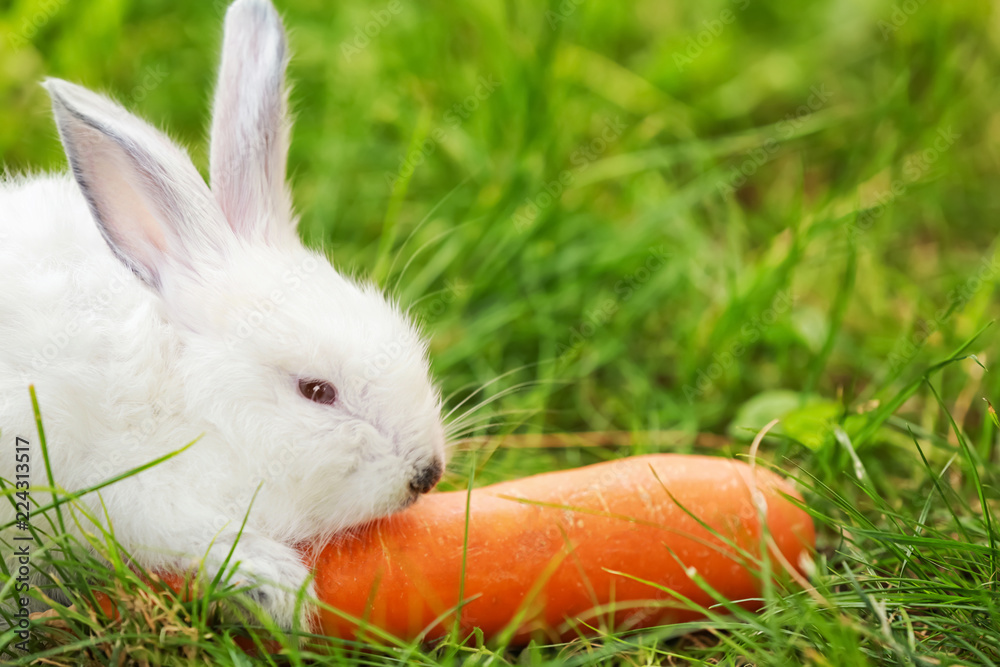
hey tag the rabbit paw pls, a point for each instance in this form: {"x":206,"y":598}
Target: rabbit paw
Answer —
{"x":275,"y":579}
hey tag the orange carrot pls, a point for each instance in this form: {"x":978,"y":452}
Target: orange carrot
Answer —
{"x":552,"y":554}
{"x":548,"y":553}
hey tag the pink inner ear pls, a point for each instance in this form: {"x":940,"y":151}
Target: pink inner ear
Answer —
{"x":249,"y":128}
{"x":247,"y":178}
{"x":118,"y":190}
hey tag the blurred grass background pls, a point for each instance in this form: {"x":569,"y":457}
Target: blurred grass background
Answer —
{"x":643,"y":215}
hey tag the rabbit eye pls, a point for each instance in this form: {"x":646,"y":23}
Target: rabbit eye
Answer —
{"x":318,"y":391}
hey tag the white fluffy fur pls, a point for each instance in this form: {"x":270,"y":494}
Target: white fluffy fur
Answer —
{"x":194,"y":317}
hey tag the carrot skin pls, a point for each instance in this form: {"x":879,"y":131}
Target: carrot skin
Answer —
{"x":546,"y":550}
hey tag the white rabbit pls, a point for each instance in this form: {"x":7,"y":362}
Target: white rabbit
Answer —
{"x":200,"y":316}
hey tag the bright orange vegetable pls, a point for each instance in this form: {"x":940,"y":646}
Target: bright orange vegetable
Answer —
{"x":560,"y":549}
{"x":555,"y":546}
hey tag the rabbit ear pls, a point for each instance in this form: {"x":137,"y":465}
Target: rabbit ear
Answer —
{"x":250,"y":124}
{"x":149,"y":201}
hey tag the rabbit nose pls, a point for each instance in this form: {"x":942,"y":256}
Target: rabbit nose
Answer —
{"x":426,"y":478}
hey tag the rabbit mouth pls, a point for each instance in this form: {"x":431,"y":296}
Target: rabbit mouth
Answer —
{"x":409,"y":500}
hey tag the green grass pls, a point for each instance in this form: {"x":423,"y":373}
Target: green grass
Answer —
{"x":790,"y":214}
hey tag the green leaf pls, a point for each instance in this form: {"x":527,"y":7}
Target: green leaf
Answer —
{"x":761,"y":409}
{"x":812,"y":423}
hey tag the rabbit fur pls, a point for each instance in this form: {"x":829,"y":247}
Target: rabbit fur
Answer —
{"x":150,"y":311}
